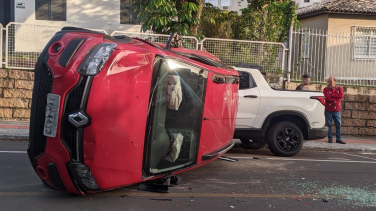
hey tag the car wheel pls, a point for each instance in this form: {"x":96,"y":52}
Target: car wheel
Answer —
{"x":285,"y":139}
{"x":246,"y":143}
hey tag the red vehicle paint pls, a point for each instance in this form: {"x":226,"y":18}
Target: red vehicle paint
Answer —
{"x":109,"y":111}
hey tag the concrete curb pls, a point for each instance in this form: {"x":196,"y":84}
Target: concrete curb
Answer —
{"x":319,"y":147}
{"x":322,"y":149}
{"x":365,"y":147}
{"x":14,"y":134}
{"x":14,"y":137}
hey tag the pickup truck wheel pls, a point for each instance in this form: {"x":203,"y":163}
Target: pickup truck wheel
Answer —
{"x":285,"y":139}
{"x":246,"y":143}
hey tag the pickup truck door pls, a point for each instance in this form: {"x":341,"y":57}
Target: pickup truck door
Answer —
{"x":249,"y":101}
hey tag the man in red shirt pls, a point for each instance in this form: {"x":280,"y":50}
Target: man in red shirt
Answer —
{"x":333,"y":95}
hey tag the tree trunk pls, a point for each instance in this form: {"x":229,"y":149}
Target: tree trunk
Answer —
{"x":194,"y":28}
{"x":263,"y":25}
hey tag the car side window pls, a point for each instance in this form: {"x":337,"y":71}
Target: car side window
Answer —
{"x":175,"y":111}
{"x":246,"y":80}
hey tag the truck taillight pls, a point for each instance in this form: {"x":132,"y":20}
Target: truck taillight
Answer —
{"x":319,"y":98}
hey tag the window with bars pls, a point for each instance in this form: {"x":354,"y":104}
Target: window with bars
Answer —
{"x":128,"y":13}
{"x":54,"y":10}
{"x":364,"y":42}
{"x":306,"y":1}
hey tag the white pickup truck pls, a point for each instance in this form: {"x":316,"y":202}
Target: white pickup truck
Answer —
{"x":282,"y":119}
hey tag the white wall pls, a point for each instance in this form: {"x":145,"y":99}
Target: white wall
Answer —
{"x":236,"y":5}
{"x":93,"y":14}
{"x":233,"y":5}
{"x":304,"y":4}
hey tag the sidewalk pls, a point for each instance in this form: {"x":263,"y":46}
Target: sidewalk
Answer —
{"x":353,"y":144}
{"x":10,"y":130}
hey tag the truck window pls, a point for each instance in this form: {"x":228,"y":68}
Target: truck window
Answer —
{"x":246,"y":80}
{"x":175,"y":115}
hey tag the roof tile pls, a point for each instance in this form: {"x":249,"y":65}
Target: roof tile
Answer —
{"x":350,"y":6}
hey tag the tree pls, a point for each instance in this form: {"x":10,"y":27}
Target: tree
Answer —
{"x":265,"y":20}
{"x":216,"y":23}
{"x":262,"y":20}
{"x":197,"y":15}
{"x":167,"y":16}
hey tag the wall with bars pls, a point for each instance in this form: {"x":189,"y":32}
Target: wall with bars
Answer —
{"x":332,"y":44}
{"x":358,"y":109}
{"x":313,"y":51}
{"x":347,"y":46}
{"x":321,"y":54}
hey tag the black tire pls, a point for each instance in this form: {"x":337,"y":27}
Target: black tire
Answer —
{"x":285,"y":139}
{"x":246,"y":143}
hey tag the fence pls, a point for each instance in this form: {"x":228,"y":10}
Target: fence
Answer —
{"x":351,"y":58}
{"x":25,"y":42}
{"x":233,"y":52}
{"x":187,"y":41}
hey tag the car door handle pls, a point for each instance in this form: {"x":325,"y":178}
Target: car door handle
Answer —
{"x":251,"y":96}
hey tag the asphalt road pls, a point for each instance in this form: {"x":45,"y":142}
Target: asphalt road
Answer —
{"x":258,"y":181}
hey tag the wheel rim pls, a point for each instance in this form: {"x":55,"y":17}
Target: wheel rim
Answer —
{"x":287,"y":139}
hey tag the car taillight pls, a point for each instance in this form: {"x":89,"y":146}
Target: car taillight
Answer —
{"x":319,"y":98}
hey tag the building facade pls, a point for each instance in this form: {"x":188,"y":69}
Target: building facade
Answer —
{"x":109,"y":15}
{"x":338,"y":38}
{"x":231,"y":5}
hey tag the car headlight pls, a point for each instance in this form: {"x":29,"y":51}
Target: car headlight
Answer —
{"x":94,"y":62}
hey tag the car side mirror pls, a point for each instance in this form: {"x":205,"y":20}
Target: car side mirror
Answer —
{"x":174,"y":41}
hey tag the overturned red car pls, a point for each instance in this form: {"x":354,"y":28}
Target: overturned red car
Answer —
{"x":111,"y":111}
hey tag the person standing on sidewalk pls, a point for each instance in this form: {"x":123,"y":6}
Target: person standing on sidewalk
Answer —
{"x":333,"y":95}
{"x":306,"y":80}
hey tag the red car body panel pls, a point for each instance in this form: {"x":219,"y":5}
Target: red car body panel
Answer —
{"x":121,"y":113}
{"x":65,"y":79}
{"x":113,"y":143}
{"x":218,"y":116}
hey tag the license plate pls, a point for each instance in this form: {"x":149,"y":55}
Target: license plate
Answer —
{"x":52,"y":115}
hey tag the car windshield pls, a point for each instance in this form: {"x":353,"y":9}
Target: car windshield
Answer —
{"x":175,"y":115}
